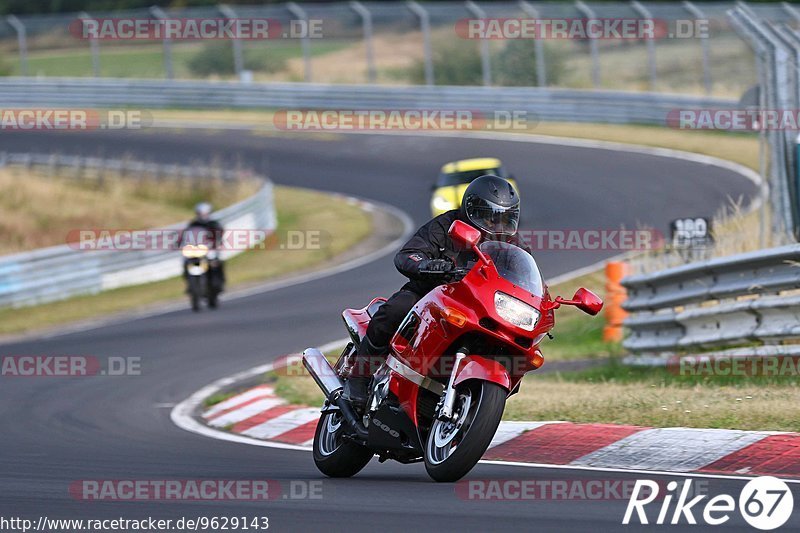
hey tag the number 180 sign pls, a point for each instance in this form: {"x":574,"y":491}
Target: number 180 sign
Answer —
{"x":691,"y":233}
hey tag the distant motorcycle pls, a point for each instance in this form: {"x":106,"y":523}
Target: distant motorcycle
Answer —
{"x":201,"y":264}
{"x":455,"y":359}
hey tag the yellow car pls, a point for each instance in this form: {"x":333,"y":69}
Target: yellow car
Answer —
{"x":457,"y":175}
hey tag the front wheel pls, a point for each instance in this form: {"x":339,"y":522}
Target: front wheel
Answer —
{"x":454,"y":447}
{"x":195,"y":292}
{"x":333,"y":455}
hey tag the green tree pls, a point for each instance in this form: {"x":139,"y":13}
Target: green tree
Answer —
{"x":217,"y":59}
{"x":458,"y":62}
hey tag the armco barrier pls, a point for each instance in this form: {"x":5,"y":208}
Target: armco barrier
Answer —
{"x":543,"y":104}
{"x":747,"y":299}
{"x":58,"y":272}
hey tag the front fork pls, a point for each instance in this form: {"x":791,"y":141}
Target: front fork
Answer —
{"x":445,"y":407}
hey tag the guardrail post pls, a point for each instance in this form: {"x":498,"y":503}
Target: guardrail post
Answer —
{"x":651,"y":44}
{"x":159,"y":14}
{"x":587,"y":12}
{"x":705,"y":44}
{"x":773,"y":64}
{"x":305,"y":42}
{"x":94,"y":46}
{"x":236,"y":43}
{"x":791,"y":42}
{"x":22,"y":43}
{"x":538,"y":46}
{"x":486,"y":60}
{"x":425,"y":28}
{"x":366,"y":22}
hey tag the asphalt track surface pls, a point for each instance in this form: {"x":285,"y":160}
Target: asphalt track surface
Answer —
{"x":60,"y":430}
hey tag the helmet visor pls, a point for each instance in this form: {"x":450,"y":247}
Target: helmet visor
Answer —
{"x":492,"y":217}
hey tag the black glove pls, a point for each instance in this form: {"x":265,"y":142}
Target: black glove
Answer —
{"x":437,"y":267}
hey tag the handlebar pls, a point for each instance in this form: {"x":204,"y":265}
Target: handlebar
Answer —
{"x":454,"y":275}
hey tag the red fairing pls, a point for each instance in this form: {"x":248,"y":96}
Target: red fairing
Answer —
{"x":476,"y":367}
{"x":357,"y":320}
{"x":464,"y":316}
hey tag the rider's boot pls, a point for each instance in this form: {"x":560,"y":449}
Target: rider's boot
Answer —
{"x":356,"y":387}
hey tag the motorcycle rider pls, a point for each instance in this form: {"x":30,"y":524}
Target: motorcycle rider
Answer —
{"x":205,"y":230}
{"x":429,"y":259}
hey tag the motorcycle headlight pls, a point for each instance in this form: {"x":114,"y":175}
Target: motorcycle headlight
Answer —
{"x":443,"y":204}
{"x":515,"y":311}
{"x":193,"y":252}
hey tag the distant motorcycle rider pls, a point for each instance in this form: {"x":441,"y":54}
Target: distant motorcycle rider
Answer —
{"x":205,"y":230}
{"x":429,"y":259}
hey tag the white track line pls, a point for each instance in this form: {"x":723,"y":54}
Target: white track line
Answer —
{"x":182,"y":414}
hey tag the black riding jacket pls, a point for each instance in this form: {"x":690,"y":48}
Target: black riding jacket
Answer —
{"x":431,"y":241}
{"x":211,"y":233}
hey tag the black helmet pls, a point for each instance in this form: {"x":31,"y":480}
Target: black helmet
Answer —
{"x":491,"y":204}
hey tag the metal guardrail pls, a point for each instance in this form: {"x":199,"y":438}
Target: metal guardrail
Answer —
{"x":721,"y":303}
{"x":374,"y":24}
{"x":544,"y":104}
{"x":777,"y":48}
{"x":59,"y":272}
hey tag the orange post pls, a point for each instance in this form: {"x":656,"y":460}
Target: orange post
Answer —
{"x":615,"y":296}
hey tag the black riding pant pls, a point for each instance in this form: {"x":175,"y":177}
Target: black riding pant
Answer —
{"x":381,"y":329}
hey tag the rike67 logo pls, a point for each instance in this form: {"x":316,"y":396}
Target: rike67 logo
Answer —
{"x":765,"y":503}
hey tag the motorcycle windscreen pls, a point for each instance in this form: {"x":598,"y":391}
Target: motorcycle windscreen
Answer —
{"x":515,"y":265}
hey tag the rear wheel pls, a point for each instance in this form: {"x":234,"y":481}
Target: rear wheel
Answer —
{"x":454,"y":447}
{"x":333,"y":455}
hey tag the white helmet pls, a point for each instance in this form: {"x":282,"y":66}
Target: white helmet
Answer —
{"x":203,"y":210}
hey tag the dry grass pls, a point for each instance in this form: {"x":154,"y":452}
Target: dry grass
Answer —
{"x":651,"y":397}
{"x":736,"y":147}
{"x":298,"y":209}
{"x":39,"y":209}
{"x":641,"y":404}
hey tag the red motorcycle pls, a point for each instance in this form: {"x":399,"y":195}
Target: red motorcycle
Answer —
{"x":456,"y":358}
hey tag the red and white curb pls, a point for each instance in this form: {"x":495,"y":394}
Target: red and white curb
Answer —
{"x":259,"y":414}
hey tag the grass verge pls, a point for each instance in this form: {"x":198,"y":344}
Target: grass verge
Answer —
{"x":298,"y":210}
{"x":617,"y":394}
{"x":40,"y":205}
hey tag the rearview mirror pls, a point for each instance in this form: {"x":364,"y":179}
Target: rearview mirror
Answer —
{"x":584,"y":299}
{"x":587,"y":301}
{"x":464,"y":234}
